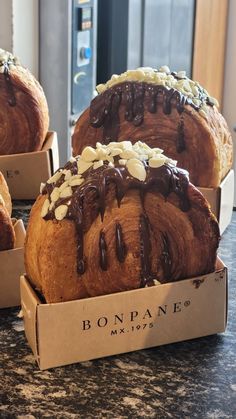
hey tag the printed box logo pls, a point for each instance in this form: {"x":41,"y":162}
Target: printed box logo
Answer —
{"x":146,"y":319}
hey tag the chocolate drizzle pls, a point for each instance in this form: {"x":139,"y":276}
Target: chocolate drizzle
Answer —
{"x":136,"y":96}
{"x":103,"y":251}
{"x":121,"y":250}
{"x":90,"y":198}
{"x":145,"y":251}
{"x":9,"y":86}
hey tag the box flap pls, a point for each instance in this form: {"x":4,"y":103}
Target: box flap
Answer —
{"x":29,"y":303}
{"x":226,"y":201}
{"x":11,"y":267}
{"x":26,"y":171}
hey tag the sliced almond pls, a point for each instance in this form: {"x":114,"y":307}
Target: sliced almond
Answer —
{"x":101,"y":154}
{"x":83,"y":166}
{"x":65,"y":193}
{"x":115,"y":151}
{"x":97,"y":164}
{"x":45,"y":207}
{"x":63,"y":185}
{"x":89,"y":154}
{"x":129,"y":154}
{"x":137,"y":170}
{"x":122,"y":162}
{"x":126,"y":145}
{"x":67,"y":174}
{"x":60,"y":212}
{"x":76,"y":182}
{"x":110,"y":159}
{"x":156,"y":162}
{"x":55,"y":177}
{"x":55,"y":194}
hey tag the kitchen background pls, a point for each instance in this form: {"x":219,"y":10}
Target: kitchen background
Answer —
{"x":72,"y":45}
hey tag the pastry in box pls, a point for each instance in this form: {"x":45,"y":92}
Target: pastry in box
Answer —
{"x":117,"y":218}
{"x":166,"y":110}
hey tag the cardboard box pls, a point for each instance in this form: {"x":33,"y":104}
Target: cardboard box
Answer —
{"x":24,"y":172}
{"x":81,"y":330}
{"x":221,"y":200}
{"x":11,"y":267}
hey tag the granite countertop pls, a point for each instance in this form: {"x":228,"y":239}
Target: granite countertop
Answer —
{"x":192,"y":379}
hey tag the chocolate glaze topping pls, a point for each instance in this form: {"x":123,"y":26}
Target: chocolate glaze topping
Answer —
{"x":103,"y":251}
{"x":90,"y":197}
{"x":121,"y":250}
{"x":9,"y":86}
{"x":137,"y":97}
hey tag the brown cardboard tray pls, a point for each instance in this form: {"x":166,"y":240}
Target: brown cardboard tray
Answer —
{"x":81,"y":330}
{"x":221,"y":200}
{"x":26,"y":171}
{"x":11,"y":267}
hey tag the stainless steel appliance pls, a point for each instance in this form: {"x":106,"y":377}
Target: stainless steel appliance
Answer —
{"x":67,"y":62}
{"x":134,"y":33}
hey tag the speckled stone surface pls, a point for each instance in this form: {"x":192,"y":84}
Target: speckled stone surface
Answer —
{"x":194,"y":379}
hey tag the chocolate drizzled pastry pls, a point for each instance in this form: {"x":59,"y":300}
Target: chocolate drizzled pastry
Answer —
{"x":23,"y":108}
{"x":126,"y":217}
{"x":167,"y":110}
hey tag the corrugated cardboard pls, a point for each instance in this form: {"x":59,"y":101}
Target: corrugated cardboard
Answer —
{"x":11,"y":267}
{"x":221,"y":200}
{"x":81,"y":330}
{"x":24,"y":172}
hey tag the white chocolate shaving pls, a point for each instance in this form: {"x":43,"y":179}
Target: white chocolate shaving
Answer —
{"x":89,"y":154}
{"x":45,"y":207}
{"x":55,"y":194}
{"x":65,"y":193}
{"x":60,"y":212}
{"x":55,"y":177}
{"x":83,"y":166}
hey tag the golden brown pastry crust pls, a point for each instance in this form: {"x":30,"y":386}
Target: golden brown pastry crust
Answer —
{"x":7,"y":233}
{"x":4,"y":193}
{"x":188,"y":239}
{"x":24,"y":116}
{"x":208,"y":154}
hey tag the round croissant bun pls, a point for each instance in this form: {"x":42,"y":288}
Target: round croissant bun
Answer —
{"x":23,"y":108}
{"x":166,"y":110}
{"x":114,"y":220}
{"x":4,"y":192}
